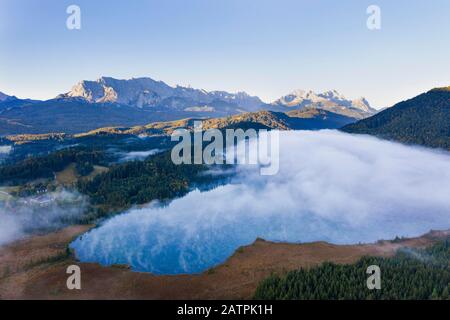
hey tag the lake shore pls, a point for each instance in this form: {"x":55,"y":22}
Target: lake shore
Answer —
{"x":35,"y":268}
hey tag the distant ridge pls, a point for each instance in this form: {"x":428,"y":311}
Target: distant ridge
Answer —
{"x":294,"y":120}
{"x":151,"y":94}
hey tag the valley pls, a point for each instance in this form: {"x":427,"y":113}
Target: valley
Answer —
{"x":121,"y":179}
{"x":241,"y":150}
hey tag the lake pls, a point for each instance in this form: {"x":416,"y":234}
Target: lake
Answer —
{"x":331,"y":187}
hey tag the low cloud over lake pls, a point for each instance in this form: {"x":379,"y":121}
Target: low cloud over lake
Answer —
{"x":331,"y":186}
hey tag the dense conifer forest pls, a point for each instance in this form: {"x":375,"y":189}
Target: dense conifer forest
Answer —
{"x":410,"y":274}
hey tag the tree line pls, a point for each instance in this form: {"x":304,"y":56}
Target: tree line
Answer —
{"x":415,"y":274}
{"x":45,"y":166}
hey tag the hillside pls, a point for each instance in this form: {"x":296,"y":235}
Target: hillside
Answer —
{"x":423,"y":120}
{"x":307,"y":119}
{"x":152,"y":94}
{"x":73,"y":116}
{"x":236,"y":278}
{"x":404,"y":278}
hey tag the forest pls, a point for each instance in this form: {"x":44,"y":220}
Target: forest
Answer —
{"x":140,"y":182}
{"x":410,"y":274}
{"x":45,"y":166}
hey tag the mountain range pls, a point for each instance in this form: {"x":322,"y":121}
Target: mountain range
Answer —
{"x":149,"y":93}
{"x":422,"y":120}
{"x":309,"y":119}
{"x":331,"y":101}
{"x":3,"y":97}
{"x":138,"y":101}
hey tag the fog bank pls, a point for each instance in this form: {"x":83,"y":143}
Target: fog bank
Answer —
{"x":331,"y":186}
{"x":5,"y":149}
{"x":137,"y":155}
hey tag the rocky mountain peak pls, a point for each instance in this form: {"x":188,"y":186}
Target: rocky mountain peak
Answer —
{"x":330,"y":100}
{"x":146,"y":92}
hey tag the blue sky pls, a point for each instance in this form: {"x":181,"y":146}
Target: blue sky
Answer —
{"x":267,"y":48}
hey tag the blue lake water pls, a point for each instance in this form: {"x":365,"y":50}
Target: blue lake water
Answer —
{"x":331,"y":187}
{"x":148,"y":242}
